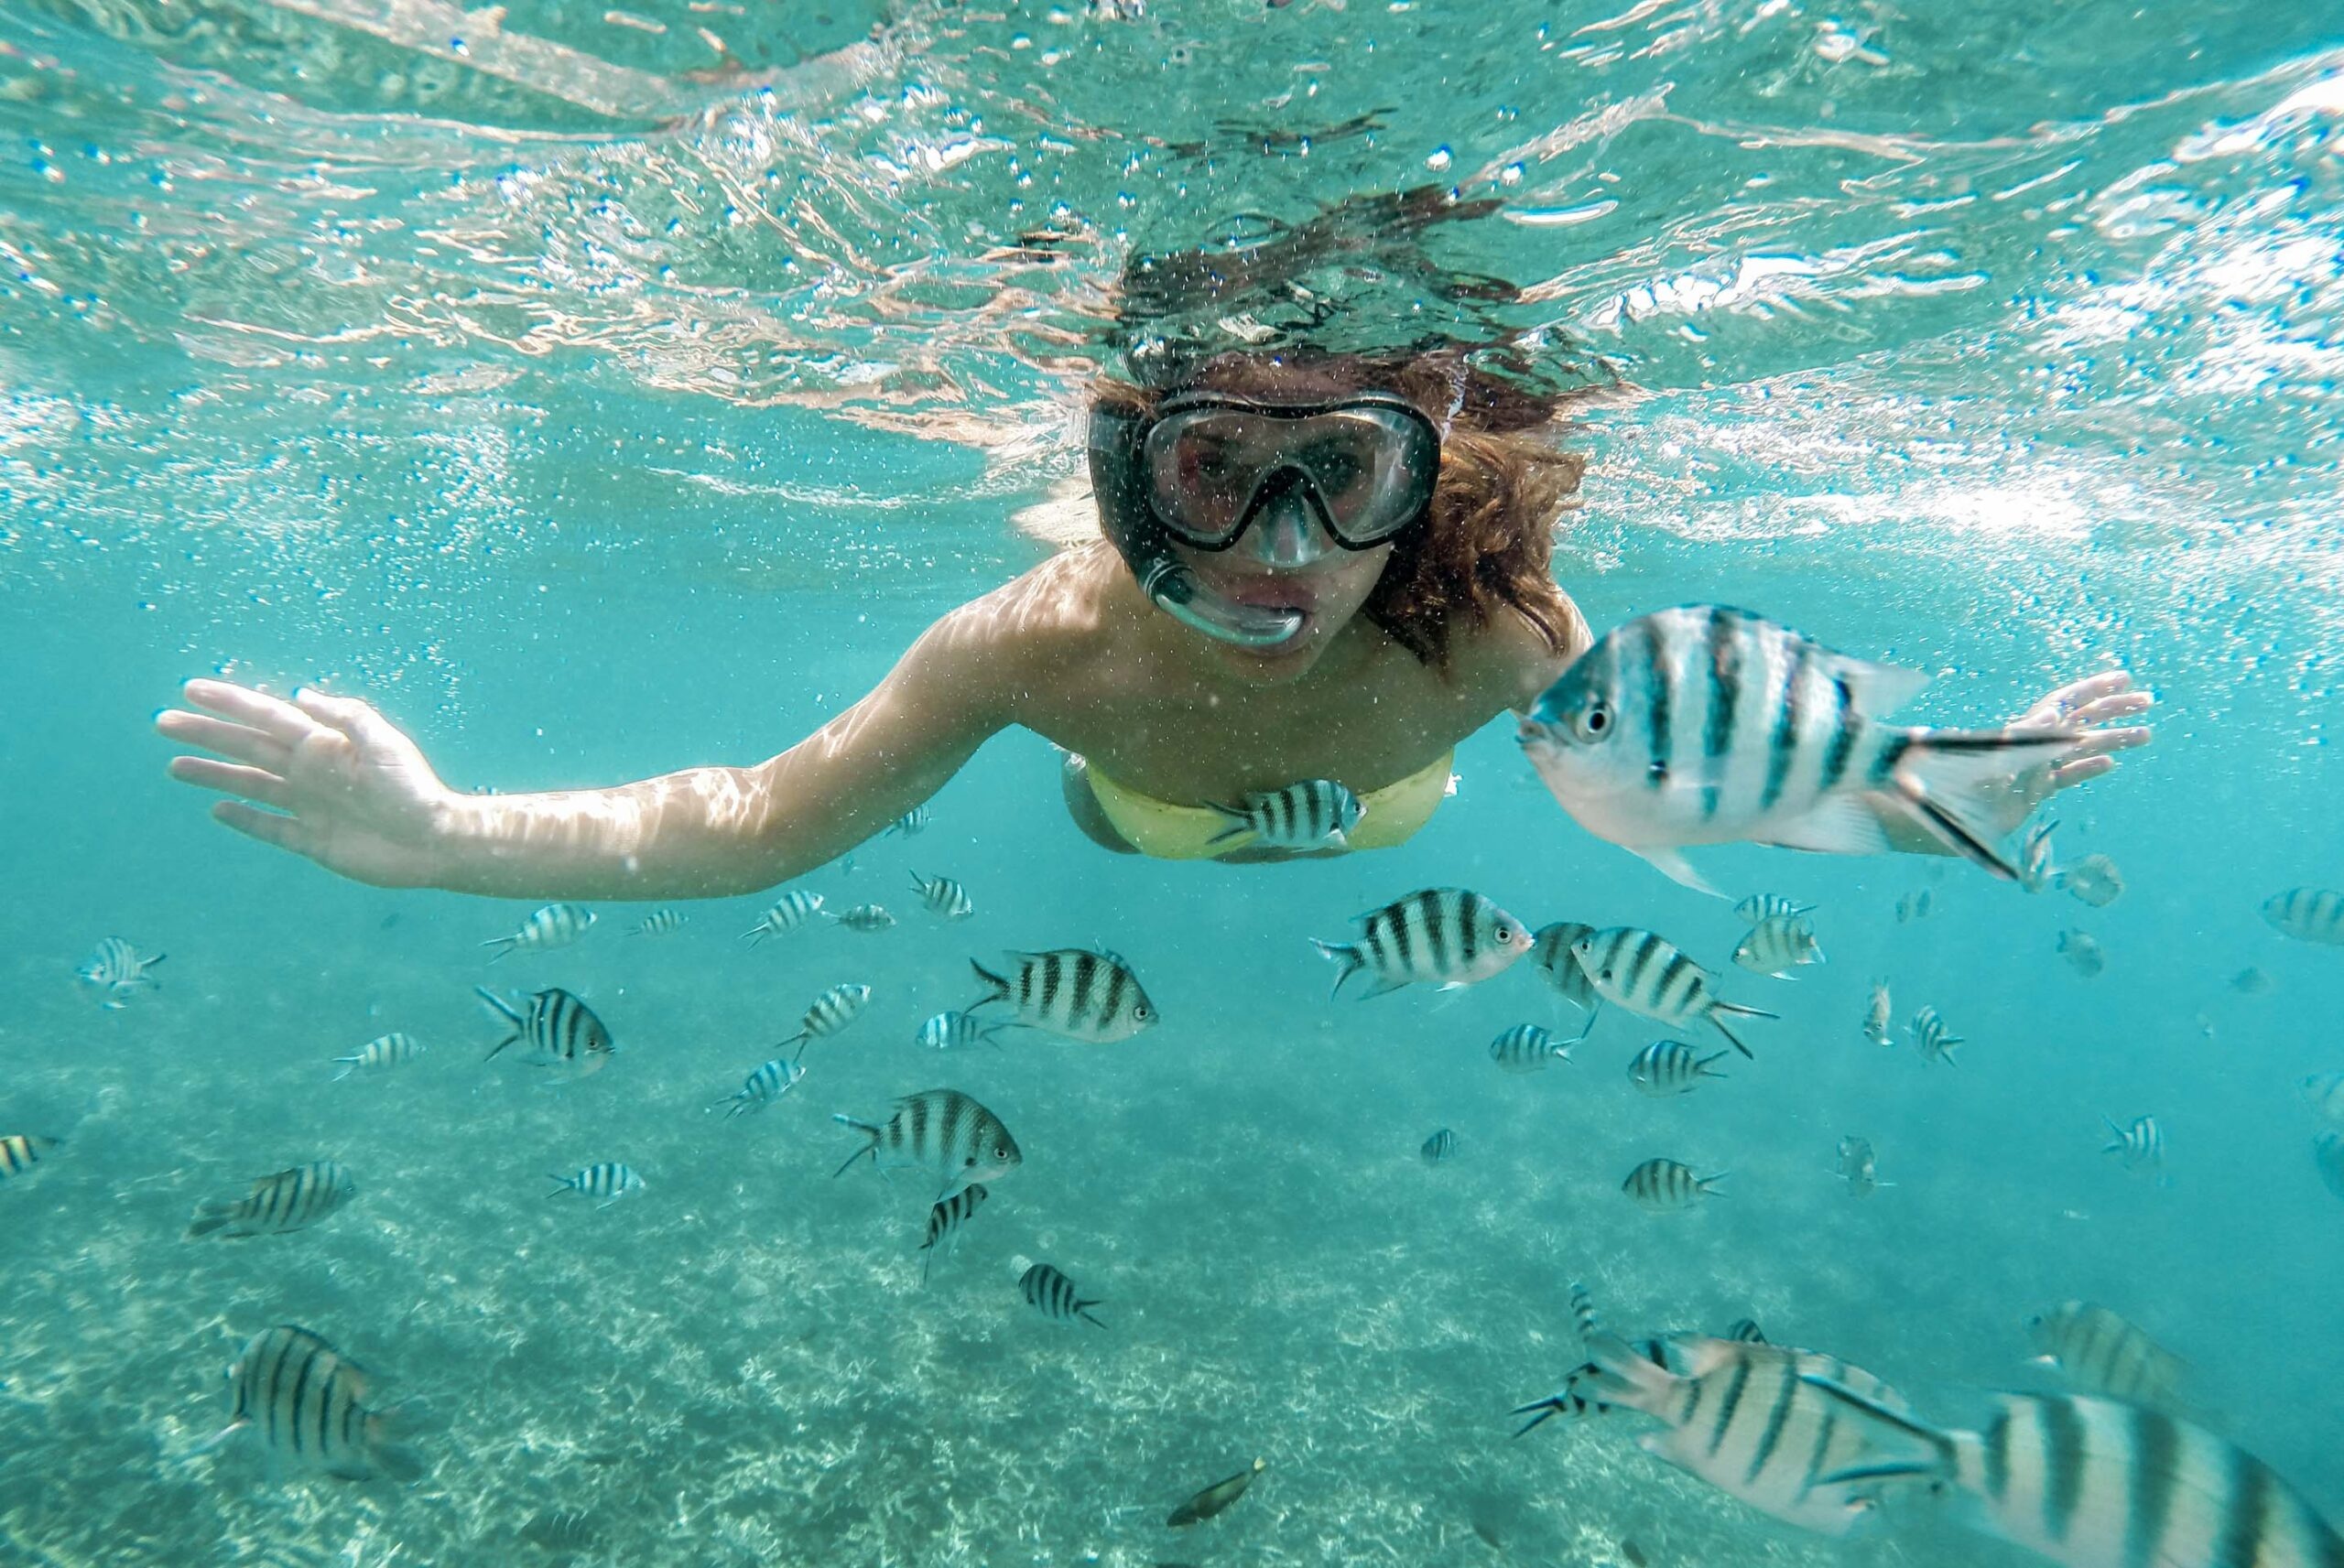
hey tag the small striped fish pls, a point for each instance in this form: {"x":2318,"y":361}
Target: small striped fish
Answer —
{"x":943,"y":897}
{"x":1672,"y":1067}
{"x":2095,"y":1484}
{"x":1876,"y":1014}
{"x":556,"y":1029}
{"x":1525,"y":1048}
{"x":20,"y":1151}
{"x":1778,"y":943}
{"x":1744,"y":1417}
{"x":1054,"y":1295}
{"x":1858,"y":1166}
{"x":1660,"y":1185}
{"x":1439,"y":936}
{"x":1645,"y":974}
{"x":1761,"y":906}
{"x":1915,"y":905}
{"x":910,"y":825}
{"x":761,"y":1088}
{"x":945,"y":1218}
{"x":609,"y":1180}
{"x":554,"y":926}
{"x":1442,"y":1145}
{"x":1317,"y":814}
{"x":2328,"y":1158}
{"x":865,"y":917}
{"x":308,"y":1403}
{"x":2326,"y":1093}
{"x":2102,"y":1353}
{"x":1932,"y":1038}
{"x":1708,"y":725}
{"x":2307,"y":914}
{"x":790,"y":911}
{"x":942,"y":1132}
{"x":278,"y":1204}
{"x":2036,"y":870}
{"x":659,"y":923}
{"x":831,"y":1012}
{"x":1072,"y":992}
{"x":116,"y":970}
{"x":1576,"y":1399}
{"x":1550,"y":950}
{"x":957,"y":1031}
{"x":2083,"y":955}
{"x":2143,"y":1144}
{"x":1215,"y":1498}
{"x":383,"y":1050}
{"x":2094,"y":880}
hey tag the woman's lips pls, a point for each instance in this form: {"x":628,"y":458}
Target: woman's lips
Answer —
{"x":1278,"y":592}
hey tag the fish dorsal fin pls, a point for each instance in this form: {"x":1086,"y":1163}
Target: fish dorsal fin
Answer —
{"x":1876,"y":690}
{"x":1702,"y":1354}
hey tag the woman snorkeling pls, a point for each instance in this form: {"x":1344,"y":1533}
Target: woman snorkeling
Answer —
{"x":1316,"y":564}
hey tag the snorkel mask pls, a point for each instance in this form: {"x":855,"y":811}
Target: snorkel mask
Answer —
{"x":1213,"y":470}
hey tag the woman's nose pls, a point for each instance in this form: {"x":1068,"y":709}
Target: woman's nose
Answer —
{"x":1287,"y":533}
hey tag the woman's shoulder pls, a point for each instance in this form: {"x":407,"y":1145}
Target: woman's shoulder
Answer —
{"x":1066,"y":608}
{"x":1508,"y":662}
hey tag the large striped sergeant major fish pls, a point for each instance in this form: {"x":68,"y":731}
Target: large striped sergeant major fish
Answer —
{"x":1444,"y":936}
{"x":557,"y":1029}
{"x":1709,"y":725}
{"x":2307,"y":914}
{"x":1647,"y":975}
{"x":2101,"y":1352}
{"x":116,"y":969}
{"x":1072,"y":992}
{"x":2093,"y":1483}
{"x":308,"y":1403}
{"x":941,"y":1131}
{"x":1317,"y":814}
{"x":280,"y":1204}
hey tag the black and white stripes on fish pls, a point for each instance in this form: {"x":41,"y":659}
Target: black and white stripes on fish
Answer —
{"x":2100,"y":1352}
{"x":942,"y":1132}
{"x":789,"y":912}
{"x":767,"y":1084}
{"x":1052,"y":1294}
{"x":945,"y":1218}
{"x":1550,"y":950}
{"x":554,"y":926}
{"x":116,"y":970}
{"x":608,"y":1179}
{"x":557,"y":1029}
{"x":1074,"y":993}
{"x":1667,"y":1067}
{"x":2139,"y":1146}
{"x":2307,"y":914}
{"x":943,"y":897}
{"x":1314,"y":813}
{"x":20,"y":1151}
{"x":307,"y":1403}
{"x":1435,"y":937}
{"x":1661,"y":1184}
{"x":278,"y":1204}
{"x":383,"y":1050}
{"x":830,"y":1012}
{"x":659,"y":923}
{"x":1646,"y":974}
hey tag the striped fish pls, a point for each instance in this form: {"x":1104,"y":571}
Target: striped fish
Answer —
{"x":942,"y":1132}
{"x":1647,"y":975}
{"x":609,"y":1180}
{"x":2084,"y":955}
{"x":1214,"y":1499}
{"x":944,"y":898}
{"x":1550,"y":950}
{"x":1525,"y":1048}
{"x":1317,"y":814}
{"x":1671,"y":1067}
{"x":831,"y":1012}
{"x":2326,"y":1093}
{"x":957,"y":1031}
{"x":1876,"y":1014}
{"x":2098,"y":1352}
{"x":945,"y":1218}
{"x":116,"y":970}
{"x":1745,"y":1331}
{"x":1778,"y":943}
{"x":383,"y":1050}
{"x":1915,"y":905}
{"x":771,"y":1081}
{"x":1761,"y":906}
{"x":790,"y":911}
{"x":1745,"y":1417}
{"x":2036,"y":870}
{"x":1054,"y":1295}
{"x":20,"y":1151}
{"x":2141,"y":1144}
{"x":278,"y":1204}
{"x":556,"y":1029}
{"x":659,"y":923}
{"x":308,"y":1403}
{"x":2094,"y":1483}
{"x":1576,"y":1398}
{"x":554,"y":926}
{"x":1439,"y":936}
{"x":1072,"y":992}
{"x":1660,"y":1185}
{"x":2328,"y":1158}
{"x":1442,"y":1145}
{"x":1932,"y":1038}
{"x":865,"y":917}
{"x":2094,"y":880}
{"x":2307,"y":914}
{"x":1858,"y":1166}
{"x":1708,"y":725}
{"x":910,"y":825}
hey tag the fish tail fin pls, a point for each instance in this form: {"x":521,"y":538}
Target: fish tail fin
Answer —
{"x":1721,"y":1011}
{"x":560,"y":1185}
{"x":870,"y":1147}
{"x":349,"y":1066}
{"x":1707,"y":1067}
{"x":214,"y":1440}
{"x":1938,"y":1463}
{"x":1709,"y":1184}
{"x":1347,"y":958}
{"x":1945,"y":778}
{"x":755,"y":933}
{"x":502,"y":945}
{"x":996,"y":988}
{"x":1234,"y":822}
{"x":1622,"y":1377}
{"x":1583,"y":1313}
{"x":210,"y":1217}
{"x":498,"y":1002}
{"x":2115,"y":1145}
{"x":1082,"y":1310}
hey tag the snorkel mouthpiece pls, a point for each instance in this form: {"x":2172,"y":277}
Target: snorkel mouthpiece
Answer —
{"x":1173,"y":589}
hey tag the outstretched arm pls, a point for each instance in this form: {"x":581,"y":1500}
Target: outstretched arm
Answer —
{"x":331,"y":778}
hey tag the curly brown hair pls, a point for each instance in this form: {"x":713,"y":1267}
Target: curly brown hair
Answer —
{"x":1505,"y":482}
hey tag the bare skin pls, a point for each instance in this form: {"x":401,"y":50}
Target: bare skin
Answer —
{"x":1071,"y":651}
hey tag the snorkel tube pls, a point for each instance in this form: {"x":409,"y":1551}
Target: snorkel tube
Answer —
{"x":1131,"y":526}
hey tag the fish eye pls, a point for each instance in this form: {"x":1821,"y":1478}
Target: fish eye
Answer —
{"x":1593,"y":722}
{"x":999,"y":1151}
{"x":1142,"y":1012}
{"x":1504,"y":934}
{"x":969,"y":1162}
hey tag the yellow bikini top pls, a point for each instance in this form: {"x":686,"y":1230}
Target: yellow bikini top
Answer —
{"x":1170,"y":832}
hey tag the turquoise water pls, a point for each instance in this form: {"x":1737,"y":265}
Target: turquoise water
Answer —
{"x":600,"y":402}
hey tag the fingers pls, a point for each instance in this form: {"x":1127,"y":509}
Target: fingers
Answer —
{"x":2099,"y":710}
{"x":2067,"y":775}
{"x":252,"y":784}
{"x":240,"y":742}
{"x":272,"y":716}
{"x":2095,"y":699}
{"x":285,"y":832}
{"x":354,"y":719}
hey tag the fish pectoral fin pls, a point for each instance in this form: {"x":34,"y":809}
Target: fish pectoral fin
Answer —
{"x":1839,"y":824}
{"x":1670,"y":863}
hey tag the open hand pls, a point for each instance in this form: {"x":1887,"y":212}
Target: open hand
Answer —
{"x":2097,"y":700}
{"x":323,"y":776}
